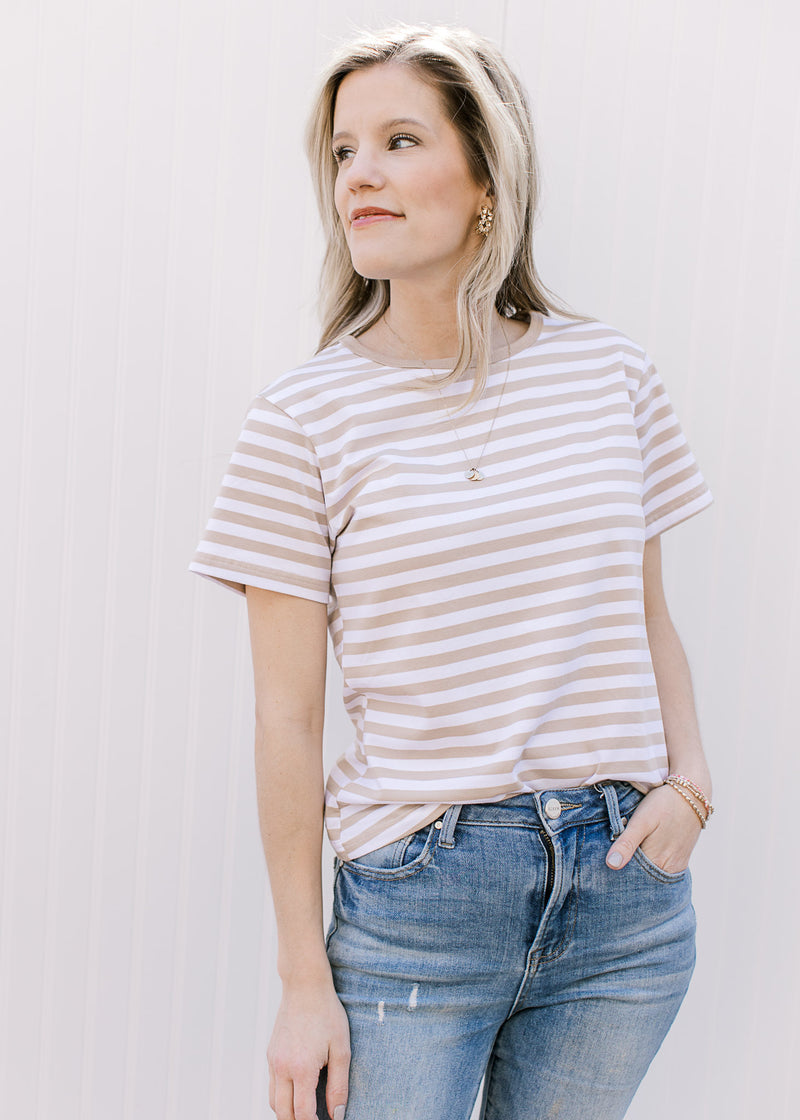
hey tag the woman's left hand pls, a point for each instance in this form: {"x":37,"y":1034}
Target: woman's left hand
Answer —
{"x":664,"y":826}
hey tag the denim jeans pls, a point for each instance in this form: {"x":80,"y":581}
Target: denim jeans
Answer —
{"x":496,"y":941}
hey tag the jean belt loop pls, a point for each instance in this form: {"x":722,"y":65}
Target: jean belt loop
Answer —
{"x":609,"y":792}
{"x":447,"y":832}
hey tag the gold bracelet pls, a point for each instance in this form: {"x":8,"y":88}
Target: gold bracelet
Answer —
{"x":689,"y":801}
{"x":695,"y":790}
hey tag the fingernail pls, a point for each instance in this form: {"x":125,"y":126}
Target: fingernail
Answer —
{"x":614,"y":859}
{"x":338,"y":1112}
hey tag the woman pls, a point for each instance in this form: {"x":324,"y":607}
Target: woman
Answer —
{"x":467,"y":488}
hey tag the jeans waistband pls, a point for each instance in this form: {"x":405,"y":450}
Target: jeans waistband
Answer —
{"x":551,"y":810}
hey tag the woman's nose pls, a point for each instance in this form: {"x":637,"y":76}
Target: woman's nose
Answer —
{"x":363,"y":170}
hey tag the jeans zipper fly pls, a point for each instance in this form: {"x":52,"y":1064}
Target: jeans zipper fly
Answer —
{"x":551,"y":864}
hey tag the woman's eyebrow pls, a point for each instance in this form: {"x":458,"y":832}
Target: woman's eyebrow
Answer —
{"x":406,"y":120}
{"x":385,"y":126}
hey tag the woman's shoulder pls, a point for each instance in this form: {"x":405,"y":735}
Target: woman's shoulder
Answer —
{"x":322,"y":380}
{"x":586,"y":333}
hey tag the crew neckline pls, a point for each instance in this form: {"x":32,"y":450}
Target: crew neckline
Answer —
{"x":356,"y":346}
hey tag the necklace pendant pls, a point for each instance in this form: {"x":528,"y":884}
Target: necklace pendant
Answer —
{"x":474,"y":475}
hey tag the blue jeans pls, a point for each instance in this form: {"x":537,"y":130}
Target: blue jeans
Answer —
{"x":496,"y":941}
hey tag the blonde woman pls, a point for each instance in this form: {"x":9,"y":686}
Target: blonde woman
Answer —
{"x":465,"y":486}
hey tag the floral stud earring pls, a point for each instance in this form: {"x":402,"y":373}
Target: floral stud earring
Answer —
{"x":485,"y":220}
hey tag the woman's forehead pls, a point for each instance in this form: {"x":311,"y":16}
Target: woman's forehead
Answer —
{"x":391,"y":90}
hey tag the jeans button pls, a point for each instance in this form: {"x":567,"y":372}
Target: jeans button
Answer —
{"x":552,"y":808}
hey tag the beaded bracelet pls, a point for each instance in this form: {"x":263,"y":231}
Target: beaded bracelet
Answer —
{"x":695,"y":790}
{"x":688,"y":800}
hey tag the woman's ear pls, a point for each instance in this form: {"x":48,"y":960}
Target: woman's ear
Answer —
{"x":488,"y":197}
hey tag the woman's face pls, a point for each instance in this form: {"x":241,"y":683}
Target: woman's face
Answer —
{"x":404,"y":192}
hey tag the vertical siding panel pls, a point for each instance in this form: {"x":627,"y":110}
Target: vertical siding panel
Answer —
{"x":548,"y":45}
{"x":210,"y":1097}
{"x":44,"y":449}
{"x":99,"y":628}
{"x":15,"y":1086}
{"x":683,"y":206}
{"x":185,"y":42}
{"x":141,"y":853}
{"x":226,"y":1098}
{"x":732,"y":388}
{"x":53,"y":1050}
{"x":118,"y":736}
{"x":764,"y":421}
{"x":642,"y":186}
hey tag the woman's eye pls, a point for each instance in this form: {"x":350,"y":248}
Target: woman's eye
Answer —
{"x":401,"y":140}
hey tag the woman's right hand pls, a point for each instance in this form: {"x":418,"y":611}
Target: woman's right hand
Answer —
{"x":311,"y":1031}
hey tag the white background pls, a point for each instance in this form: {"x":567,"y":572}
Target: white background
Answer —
{"x":158,"y":263}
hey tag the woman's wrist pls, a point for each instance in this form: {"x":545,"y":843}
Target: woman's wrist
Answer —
{"x":690,"y":762}
{"x":693,"y":794}
{"x":304,"y":971}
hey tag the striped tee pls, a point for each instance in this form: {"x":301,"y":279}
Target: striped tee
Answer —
{"x":491,"y":634}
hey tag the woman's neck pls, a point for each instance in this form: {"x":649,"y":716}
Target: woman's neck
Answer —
{"x":423,"y":326}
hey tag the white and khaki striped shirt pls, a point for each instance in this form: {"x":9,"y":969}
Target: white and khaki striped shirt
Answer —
{"x":491,"y":634}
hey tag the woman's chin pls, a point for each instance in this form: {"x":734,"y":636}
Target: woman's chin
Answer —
{"x":372,"y":269}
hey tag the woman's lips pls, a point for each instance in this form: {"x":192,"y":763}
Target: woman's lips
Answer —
{"x":362,"y":218}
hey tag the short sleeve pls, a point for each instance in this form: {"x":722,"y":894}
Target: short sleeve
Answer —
{"x":673,"y":487}
{"x":268,"y":527}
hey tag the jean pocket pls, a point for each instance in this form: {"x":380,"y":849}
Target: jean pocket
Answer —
{"x":398,"y":860}
{"x":656,"y":872}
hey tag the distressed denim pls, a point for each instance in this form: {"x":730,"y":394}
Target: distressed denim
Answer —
{"x":496,"y":941}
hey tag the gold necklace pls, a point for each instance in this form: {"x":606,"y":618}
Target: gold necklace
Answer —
{"x":473,"y":472}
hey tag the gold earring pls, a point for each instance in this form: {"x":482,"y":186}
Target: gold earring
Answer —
{"x":485,"y":220}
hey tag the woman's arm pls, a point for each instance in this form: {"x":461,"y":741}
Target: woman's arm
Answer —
{"x":663,"y":824}
{"x":289,"y":643}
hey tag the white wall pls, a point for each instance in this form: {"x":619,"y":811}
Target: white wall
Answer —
{"x":158,"y":263}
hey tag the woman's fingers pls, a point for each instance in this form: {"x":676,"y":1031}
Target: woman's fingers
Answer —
{"x":305,"y":1096}
{"x":664,"y":826}
{"x":311,"y":1031}
{"x":338,"y":1074}
{"x":281,"y":1094}
{"x":294,"y":1098}
{"x":621,"y":851}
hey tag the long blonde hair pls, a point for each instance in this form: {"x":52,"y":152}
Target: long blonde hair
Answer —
{"x":489,"y":108}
